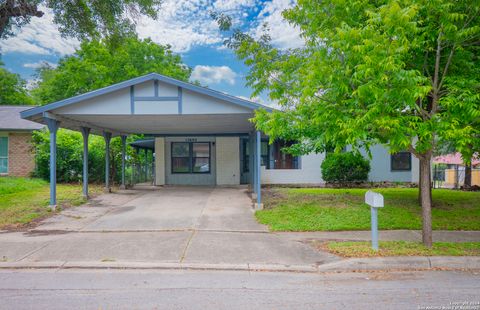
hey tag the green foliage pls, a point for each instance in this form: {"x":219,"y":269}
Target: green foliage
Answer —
{"x":97,"y":64}
{"x":391,"y":72}
{"x":70,"y":156}
{"x":81,"y":19}
{"x":345,"y":167}
{"x":12,"y":89}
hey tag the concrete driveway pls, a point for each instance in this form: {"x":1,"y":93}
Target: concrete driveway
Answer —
{"x":181,"y":225}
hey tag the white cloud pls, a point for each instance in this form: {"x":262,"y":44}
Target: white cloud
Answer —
{"x":283,"y":34}
{"x":213,"y":75}
{"x":39,"y":64}
{"x":182,"y":24}
{"x":40,"y":36}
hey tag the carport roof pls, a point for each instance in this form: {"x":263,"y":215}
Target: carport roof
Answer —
{"x":38,"y":111}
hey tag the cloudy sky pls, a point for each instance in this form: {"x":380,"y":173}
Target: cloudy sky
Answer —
{"x":184,"y":24}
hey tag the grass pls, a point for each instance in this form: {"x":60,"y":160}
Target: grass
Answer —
{"x":325,"y":209}
{"x":23,"y":200}
{"x":401,"y":248}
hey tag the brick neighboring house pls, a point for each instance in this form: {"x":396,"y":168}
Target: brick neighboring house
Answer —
{"x":16,"y":152}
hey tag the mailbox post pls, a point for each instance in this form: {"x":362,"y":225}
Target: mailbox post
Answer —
{"x":375,"y":201}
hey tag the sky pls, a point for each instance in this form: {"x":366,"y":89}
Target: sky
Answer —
{"x":186,"y":25}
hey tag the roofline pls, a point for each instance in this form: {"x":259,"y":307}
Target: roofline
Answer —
{"x":20,"y":129}
{"x":151,"y":76}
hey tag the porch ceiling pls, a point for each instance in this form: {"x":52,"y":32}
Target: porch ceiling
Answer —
{"x":159,"y":124}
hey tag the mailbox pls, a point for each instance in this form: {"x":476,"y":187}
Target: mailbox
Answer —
{"x":374,"y":199}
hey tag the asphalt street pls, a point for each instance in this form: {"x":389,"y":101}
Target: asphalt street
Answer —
{"x":168,"y":289}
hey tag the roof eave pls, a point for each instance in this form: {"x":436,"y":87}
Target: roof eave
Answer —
{"x":28,"y":114}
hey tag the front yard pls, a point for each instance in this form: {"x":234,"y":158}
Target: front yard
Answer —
{"x":23,"y":200}
{"x":326,"y":209}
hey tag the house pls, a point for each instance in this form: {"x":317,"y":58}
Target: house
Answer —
{"x":450,"y":170}
{"x":16,"y":153}
{"x":200,"y":136}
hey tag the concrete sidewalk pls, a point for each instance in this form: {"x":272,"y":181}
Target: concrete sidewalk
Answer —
{"x":384,"y":235}
{"x":193,"y":228}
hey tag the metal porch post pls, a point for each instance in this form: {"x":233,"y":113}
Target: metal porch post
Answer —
{"x":146,"y":164}
{"x":258,"y":180}
{"x":53,"y":128}
{"x":124,"y":151}
{"x":253,"y":165}
{"x":107,"y":136}
{"x":85,"y":133}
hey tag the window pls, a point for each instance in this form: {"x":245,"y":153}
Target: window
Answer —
{"x":282,"y":160}
{"x":3,"y":154}
{"x":401,"y":161}
{"x":264,"y":151}
{"x":190,"y":157}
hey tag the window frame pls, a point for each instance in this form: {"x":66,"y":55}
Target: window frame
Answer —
{"x":6,"y":157}
{"x":191,"y":158}
{"x":392,"y":159}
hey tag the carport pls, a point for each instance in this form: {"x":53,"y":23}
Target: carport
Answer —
{"x":197,"y":131}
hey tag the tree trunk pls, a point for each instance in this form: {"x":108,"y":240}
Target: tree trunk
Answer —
{"x":426,"y":201}
{"x":468,"y":177}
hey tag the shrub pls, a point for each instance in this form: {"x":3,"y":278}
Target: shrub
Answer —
{"x":70,"y":156}
{"x":345,"y":167}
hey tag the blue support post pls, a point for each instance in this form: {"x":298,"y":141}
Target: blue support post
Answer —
{"x":85,"y":133}
{"x":258,"y":162}
{"x":374,"y":212}
{"x":146,"y":164}
{"x":107,"y":136}
{"x":53,"y":128}
{"x":124,"y":151}
{"x":253,"y":159}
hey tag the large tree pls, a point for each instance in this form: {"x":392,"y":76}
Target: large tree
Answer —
{"x":96,"y":64}
{"x":81,"y":19}
{"x":385,"y":71}
{"x":12,"y":89}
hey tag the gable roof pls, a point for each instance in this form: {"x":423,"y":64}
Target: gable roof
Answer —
{"x":10,"y":119}
{"x":149,"y":77}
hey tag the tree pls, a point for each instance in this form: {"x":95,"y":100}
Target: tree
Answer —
{"x":370,"y":72}
{"x":97,"y":64}
{"x":81,"y":19}
{"x":12,"y":89}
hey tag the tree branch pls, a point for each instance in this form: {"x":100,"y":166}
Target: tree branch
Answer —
{"x":11,"y":9}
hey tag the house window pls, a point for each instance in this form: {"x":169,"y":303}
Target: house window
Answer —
{"x":401,"y":161}
{"x":282,"y":160}
{"x":3,"y":154}
{"x":264,"y":151}
{"x":191,"y":157}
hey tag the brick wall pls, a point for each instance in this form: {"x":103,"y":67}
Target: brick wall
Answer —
{"x":21,"y":161}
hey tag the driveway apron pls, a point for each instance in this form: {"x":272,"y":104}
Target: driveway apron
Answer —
{"x":200,"y":225}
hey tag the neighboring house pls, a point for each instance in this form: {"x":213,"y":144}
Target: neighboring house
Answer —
{"x":200,"y":136}
{"x":453,"y":171}
{"x":16,"y":153}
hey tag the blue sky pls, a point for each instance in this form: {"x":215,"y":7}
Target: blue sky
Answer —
{"x":184,"y":24}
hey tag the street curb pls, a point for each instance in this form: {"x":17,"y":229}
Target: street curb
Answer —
{"x":346,"y":265}
{"x":160,"y":266}
{"x":403,"y":263}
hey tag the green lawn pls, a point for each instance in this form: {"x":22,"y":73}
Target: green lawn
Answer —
{"x":23,"y":200}
{"x":401,"y":248}
{"x":321,"y":209}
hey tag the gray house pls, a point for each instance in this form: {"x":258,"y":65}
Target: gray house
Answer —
{"x":201,"y":136}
